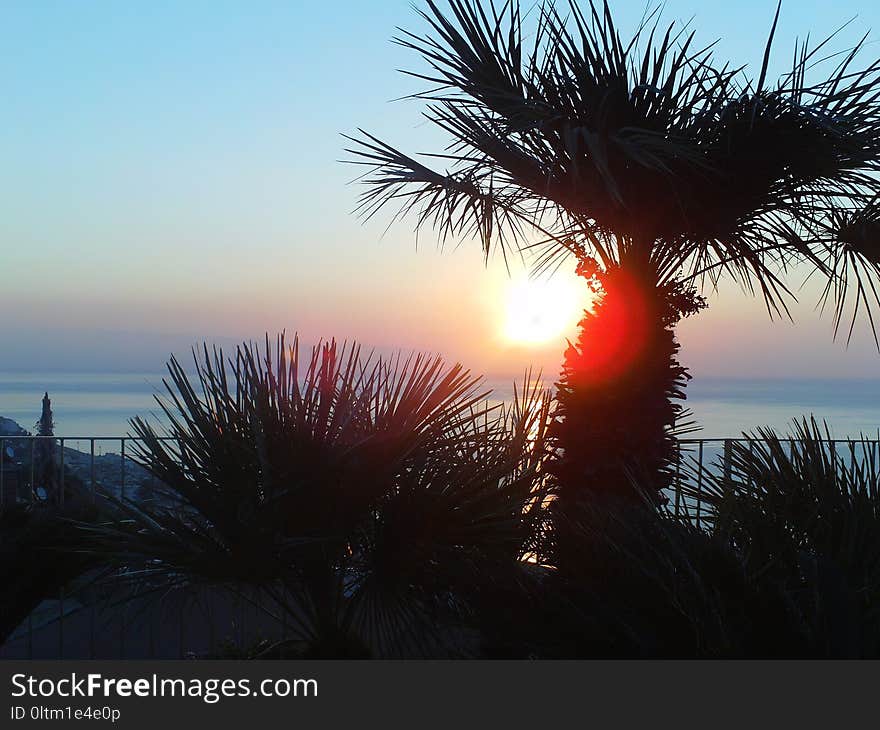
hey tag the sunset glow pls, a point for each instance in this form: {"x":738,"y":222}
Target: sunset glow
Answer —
{"x":541,"y":310}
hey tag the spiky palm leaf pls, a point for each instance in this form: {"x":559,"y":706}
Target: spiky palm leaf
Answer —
{"x":609,"y":145}
{"x":805,"y":510}
{"x":362,"y":496}
{"x":853,"y":261}
{"x":631,"y":580}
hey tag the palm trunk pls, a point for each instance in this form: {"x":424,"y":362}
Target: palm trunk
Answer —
{"x":618,"y":393}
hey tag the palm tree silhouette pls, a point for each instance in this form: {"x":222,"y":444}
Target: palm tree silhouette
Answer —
{"x":661,"y":172}
{"x":365,"y":500}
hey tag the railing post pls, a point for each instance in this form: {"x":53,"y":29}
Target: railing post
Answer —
{"x":61,"y":487}
{"x":677,"y":479}
{"x":92,"y":622}
{"x":751,"y":453}
{"x":61,"y":597}
{"x":33,"y":489}
{"x":209,"y":610}
{"x":156,"y":631}
{"x":151,"y":627}
{"x":181,"y":630}
{"x":727,"y":466}
{"x":122,"y":630}
{"x":243,"y":614}
{"x":700,"y":485}
{"x":728,"y":460}
{"x":92,"y":467}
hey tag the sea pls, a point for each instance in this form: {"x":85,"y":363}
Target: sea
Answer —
{"x":102,"y":404}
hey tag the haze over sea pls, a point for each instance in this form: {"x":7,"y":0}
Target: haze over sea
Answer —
{"x":100,"y":404}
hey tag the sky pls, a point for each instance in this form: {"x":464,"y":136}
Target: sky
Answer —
{"x":169,"y":172}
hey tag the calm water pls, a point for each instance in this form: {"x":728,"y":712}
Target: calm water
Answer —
{"x":83,"y":404}
{"x":100,"y":404}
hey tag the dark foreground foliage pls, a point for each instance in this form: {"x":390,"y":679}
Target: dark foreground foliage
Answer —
{"x":804,"y":512}
{"x":364,"y":499}
{"x":629,"y":580}
{"x":42,"y":550}
{"x":384,"y":510}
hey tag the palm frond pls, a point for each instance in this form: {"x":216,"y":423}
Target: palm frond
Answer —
{"x":804,"y":510}
{"x":366,"y":495}
{"x":646,"y":139}
{"x":852,"y":260}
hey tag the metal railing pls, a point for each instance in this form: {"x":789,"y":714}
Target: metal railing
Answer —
{"x":20,"y":466}
{"x":74,"y":624}
{"x":19,"y":479}
{"x":23,"y":479}
{"x":699,"y":458}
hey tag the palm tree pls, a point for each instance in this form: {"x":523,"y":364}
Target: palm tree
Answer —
{"x":804,"y":512}
{"x":659,"y":172}
{"x":364,"y":500}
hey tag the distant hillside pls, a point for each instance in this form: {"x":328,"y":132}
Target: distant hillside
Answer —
{"x":8,"y":427}
{"x":106,"y":469}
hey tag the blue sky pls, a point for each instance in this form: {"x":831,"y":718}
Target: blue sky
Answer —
{"x":168,"y":172}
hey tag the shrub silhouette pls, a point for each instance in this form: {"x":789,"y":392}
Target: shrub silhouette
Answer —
{"x":362,"y":498}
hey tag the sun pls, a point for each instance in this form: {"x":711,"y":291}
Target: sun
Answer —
{"x":540,"y":310}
